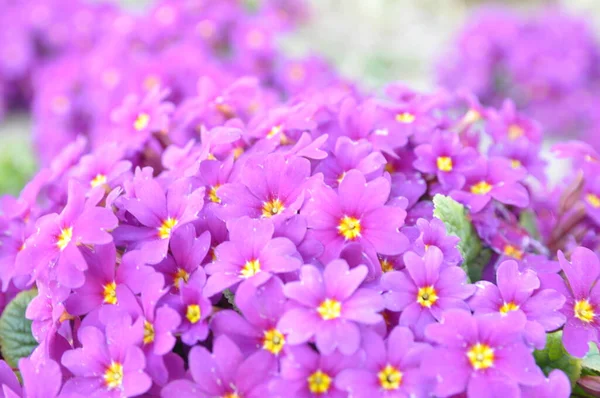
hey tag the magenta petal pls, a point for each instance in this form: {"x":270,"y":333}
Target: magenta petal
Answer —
{"x":364,"y":307}
{"x":181,"y":389}
{"x":299,"y":324}
{"x":340,"y":282}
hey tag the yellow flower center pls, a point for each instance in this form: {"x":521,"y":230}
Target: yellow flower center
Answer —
{"x":584,"y":311}
{"x":481,"y":188}
{"x":100,"y":179}
{"x":272,"y":208}
{"x":330,"y":309}
{"x":193,"y":313}
{"x":513,"y":252}
{"x":515,"y":131}
{"x":593,"y":200}
{"x":164,"y":231}
{"x":110,"y":293}
{"x":297,"y":72}
{"x":251,"y":268}
{"x":237,"y":152}
{"x":390,"y":168}
{"x":390,"y":378}
{"x":386,"y":265}
{"x":181,"y":276}
{"x":113,"y":376}
{"x":515,"y":164}
{"x":141,"y":121}
{"x":341,"y":177}
{"x":472,"y":116}
{"x":427,"y":296}
{"x":231,"y":395}
{"x":481,"y":356}
{"x":273,"y":341}
{"x":349,"y":227}
{"x":508,"y":307}
{"x":274,"y":131}
{"x":148,"y":332}
{"x":212,"y":194}
{"x":319,"y":382}
{"x":405,"y":117}
{"x":64,"y":238}
{"x":444,"y":163}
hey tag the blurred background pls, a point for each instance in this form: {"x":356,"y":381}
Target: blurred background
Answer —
{"x":374,"y":41}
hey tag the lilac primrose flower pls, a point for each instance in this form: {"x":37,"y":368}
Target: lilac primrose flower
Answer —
{"x":159,"y":213}
{"x":41,"y":379}
{"x":109,"y":364}
{"x":188,"y":253}
{"x":519,"y":291}
{"x":446,"y":158}
{"x":330,"y":306}
{"x":356,"y":212}
{"x":54,"y":248}
{"x":251,"y":253}
{"x":105,"y":168}
{"x":348,"y":155}
{"x":480,"y":355}
{"x":194,"y":308}
{"x":224,"y":373}
{"x":425,"y":289}
{"x":433,"y":233}
{"x":103,"y":277}
{"x":556,"y":385}
{"x":306,"y":374}
{"x":582,"y":307}
{"x":261,"y":308}
{"x":391,"y":368}
{"x":269,"y":187}
{"x":494,"y":178}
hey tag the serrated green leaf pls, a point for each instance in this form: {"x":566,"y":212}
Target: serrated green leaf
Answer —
{"x":16,"y":340}
{"x":454,"y":216}
{"x":554,"y":356}
{"x":592,"y":358}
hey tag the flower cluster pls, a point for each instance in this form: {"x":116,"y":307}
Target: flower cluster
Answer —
{"x":549,"y":64}
{"x":221,"y":234}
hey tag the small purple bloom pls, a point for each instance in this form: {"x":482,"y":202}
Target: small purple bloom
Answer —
{"x":519,"y":291}
{"x":308,"y":374}
{"x":250,"y":253}
{"x":425,"y":289}
{"x":433,"y":233}
{"x":108,"y":364}
{"x":481,"y":355}
{"x":330,"y":306}
{"x":391,"y":368}
{"x":446,"y":158}
{"x":224,"y":373}
{"x":582,"y":307}
{"x":356,"y":212}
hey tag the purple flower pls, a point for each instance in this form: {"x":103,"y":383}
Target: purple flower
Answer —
{"x":269,"y":187}
{"x":494,"y":178}
{"x":241,"y":258}
{"x":41,"y":379}
{"x":306,"y":374}
{"x":188,"y":253}
{"x":522,"y":153}
{"x":194,"y":308}
{"x":425,"y":289}
{"x":224,"y":373}
{"x":103,"y":277}
{"x":356,"y":212}
{"x":348,"y":155}
{"x":480,"y":355}
{"x":391,"y":368}
{"x":446,"y":158}
{"x":519,"y":291}
{"x":556,"y":385}
{"x":330,"y":306}
{"x":582,"y":307}
{"x":54,"y":248}
{"x":159,"y":214}
{"x":105,"y":168}
{"x":261,"y":308}
{"x":509,"y":124}
{"x":137,"y":119}
{"x":109,"y":364}
{"x":433,"y":233}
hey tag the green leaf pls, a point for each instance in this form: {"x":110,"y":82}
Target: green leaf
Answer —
{"x":528,"y":221}
{"x":591,"y":360}
{"x":454,"y":216}
{"x":16,"y":340}
{"x":17,"y":163}
{"x":554,"y":356}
